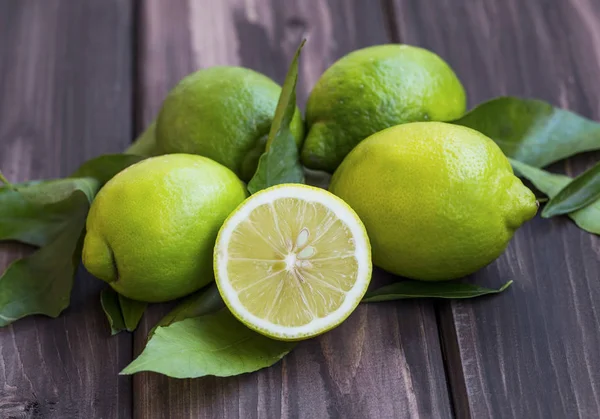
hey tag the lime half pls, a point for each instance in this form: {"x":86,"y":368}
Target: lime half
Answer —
{"x":292,"y":261}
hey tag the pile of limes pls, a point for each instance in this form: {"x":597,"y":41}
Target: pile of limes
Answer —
{"x":430,"y":200}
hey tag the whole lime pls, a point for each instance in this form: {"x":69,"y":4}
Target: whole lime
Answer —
{"x":372,"y":89}
{"x":223,"y":113}
{"x":152,"y":228}
{"x":439,"y":201}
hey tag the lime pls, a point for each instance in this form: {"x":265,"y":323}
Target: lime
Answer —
{"x":152,"y":228}
{"x":223,"y":113}
{"x":372,"y":89}
{"x":439,"y":201}
{"x":292,"y":261}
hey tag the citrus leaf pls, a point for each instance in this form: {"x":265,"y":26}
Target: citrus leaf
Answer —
{"x":112,"y":308}
{"x":6,"y":182}
{"x":104,"y":168}
{"x":41,"y":283}
{"x":205,"y":301}
{"x":145,"y":144}
{"x":213,"y":344}
{"x":581,"y":192}
{"x":532,"y":131}
{"x":132,"y":311}
{"x":587,"y":218}
{"x":280,"y":163}
{"x":34,"y":212}
{"x":49,"y":214}
{"x":417,"y":289}
{"x":122,"y":313}
{"x":37,"y":212}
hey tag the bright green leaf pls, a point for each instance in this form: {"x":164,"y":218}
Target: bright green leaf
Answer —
{"x":213,"y":344}
{"x":132,"y":311}
{"x":6,"y":182}
{"x":581,"y":192}
{"x":41,"y":283}
{"x":418,"y":289}
{"x":532,"y":131}
{"x":587,"y":218}
{"x":280,"y":163}
{"x":112,"y":308}
{"x":205,"y":301}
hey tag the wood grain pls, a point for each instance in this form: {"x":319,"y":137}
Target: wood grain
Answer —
{"x":531,"y":352}
{"x":385,"y":361}
{"x":65,"y":78}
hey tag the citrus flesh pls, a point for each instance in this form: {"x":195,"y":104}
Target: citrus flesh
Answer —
{"x":152,"y":228}
{"x":223,"y":113}
{"x":439,"y":201}
{"x":372,"y":89}
{"x":292,"y":262}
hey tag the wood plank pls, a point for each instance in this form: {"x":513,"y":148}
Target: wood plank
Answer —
{"x":385,"y":361}
{"x":531,"y":352}
{"x":65,"y":78}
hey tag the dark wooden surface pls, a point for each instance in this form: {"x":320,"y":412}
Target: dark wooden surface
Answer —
{"x":65,"y":96}
{"x":78,"y":79}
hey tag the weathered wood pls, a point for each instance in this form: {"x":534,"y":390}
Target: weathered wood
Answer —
{"x":531,"y":352}
{"x":65,"y":80}
{"x":385,"y":361}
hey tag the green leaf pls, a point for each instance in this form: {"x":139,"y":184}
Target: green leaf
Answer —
{"x":587,"y":218}
{"x":532,"y":131}
{"x":132,"y":311}
{"x":145,"y":144}
{"x":213,"y":344}
{"x":50,"y":214}
{"x":417,"y":289}
{"x":581,"y":192}
{"x":112,"y":308}
{"x":280,"y":163}
{"x":205,"y":301}
{"x":122,"y":313}
{"x":6,"y":182}
{"x":104,"y":168}
{"x":41,"y":283}
{"x":36,"y":218}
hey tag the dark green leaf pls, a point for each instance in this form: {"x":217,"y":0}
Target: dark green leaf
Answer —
{"x":112,"y":308}
{"x":581,"y":192}
{"x":213,"y":344}
{"x":280,"y":163}
{"x":418,"y":289}
{"x":533,"y":131}
{"x":50,"y":214}
{"x":132,"y":311}
{"x":587,"y":218}
{"x":36,"y":213}
{"x":205,"y":301}
{"x":41,"y":283}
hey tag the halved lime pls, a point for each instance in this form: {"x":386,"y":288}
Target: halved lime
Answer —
{"x":292,"y":261}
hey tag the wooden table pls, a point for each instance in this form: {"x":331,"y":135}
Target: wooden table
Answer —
{"x":81,"y":78}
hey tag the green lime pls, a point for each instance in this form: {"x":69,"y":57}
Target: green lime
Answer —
{"x":372,"y":89}
{"x":223,"y":113}
{"x":439,"y":201}
{"x":152,"y":228}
